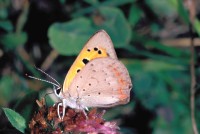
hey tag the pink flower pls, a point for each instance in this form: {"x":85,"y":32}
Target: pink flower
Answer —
{"x":47,"y":121}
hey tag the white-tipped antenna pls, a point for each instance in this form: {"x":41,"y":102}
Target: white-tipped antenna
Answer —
{"x":32,"y":77}
{"x":47,"y":75}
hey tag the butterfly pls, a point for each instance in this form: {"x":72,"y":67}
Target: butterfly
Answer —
{"x":96,"y":79}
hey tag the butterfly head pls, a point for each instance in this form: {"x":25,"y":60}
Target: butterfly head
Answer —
{"x":56,"y":86}
{"x":58,"y":91}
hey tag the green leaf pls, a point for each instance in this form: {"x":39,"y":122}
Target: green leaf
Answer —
{"x":6,"y":90}
{"x":162,"y":7}
{"x":182,"y":11}
{"x":134,"y":15}
{"x":152,"y":79}
{"x":15,"y":119}
{"x":68,"y":38}
{"x":92,"y":2}
{"x":149,"y":43}
{"x":91,"y":9}
{"x":3,"y":13}
{"x":62,"y":1}
{"x":6,"y":25}
{"x":169,"y":8}
{"x":197,"y":26}
{"x":26,"y":105}
{"x":13,"y":40}
{"x":116,"y":25}
{"x":153,"y":93}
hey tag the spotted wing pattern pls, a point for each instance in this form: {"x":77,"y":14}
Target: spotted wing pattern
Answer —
{"x":98,"y":46}
{"x":103,"y":82}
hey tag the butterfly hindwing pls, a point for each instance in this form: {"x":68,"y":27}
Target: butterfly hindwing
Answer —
{"x":105,"y":81}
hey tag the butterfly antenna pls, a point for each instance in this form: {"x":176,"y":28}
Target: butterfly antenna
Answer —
{"x":47,"y":75}
{"x":32,"y":77}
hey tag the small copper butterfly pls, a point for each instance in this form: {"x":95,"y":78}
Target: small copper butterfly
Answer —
{"x":96,"y":79}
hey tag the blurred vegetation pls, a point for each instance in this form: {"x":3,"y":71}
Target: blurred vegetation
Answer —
{"x":151,"y":37}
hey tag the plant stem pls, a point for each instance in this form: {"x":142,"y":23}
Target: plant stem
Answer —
{"x":49,"y":60}
{"x":193,"y":83}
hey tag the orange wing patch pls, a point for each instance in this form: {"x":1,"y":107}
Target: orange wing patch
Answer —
{"x":83,"y":58}
{"x":122,"y":82}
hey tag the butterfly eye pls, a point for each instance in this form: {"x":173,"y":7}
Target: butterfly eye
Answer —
{"x":57,"y":90}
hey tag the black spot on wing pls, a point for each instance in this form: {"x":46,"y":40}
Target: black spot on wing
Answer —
{"x":78,"y":70}
{"x":88,"y":50}
{"x":85,"y":61}
{"x":99,"y":52}
{"x":95,"y":49}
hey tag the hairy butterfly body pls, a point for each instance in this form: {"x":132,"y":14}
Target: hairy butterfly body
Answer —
{"x":96,"y":79}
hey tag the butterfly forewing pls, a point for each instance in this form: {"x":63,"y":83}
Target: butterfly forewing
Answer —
{"x":98,"y":46}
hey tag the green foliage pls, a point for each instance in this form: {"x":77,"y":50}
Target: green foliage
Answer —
{"x":162,"y":7}
{"x":15,"y":119}
{"x":98,"y":5}
{"x":75,"y":33}
{"x":135,"y":15}
{"x":13,"y":40}
{"x":197,"y":26}
{"x":67,"y":42}
{"x":5,"y":95}
{"x":6,"y":25}
{"x":116,"y":25}
{"x":92,"y":2}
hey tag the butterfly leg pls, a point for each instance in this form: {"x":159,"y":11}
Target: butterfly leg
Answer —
{"x":64,"y":108}
{"x":83,"y":109}
{"x":84,"y":112}
{"x":58,"y":109}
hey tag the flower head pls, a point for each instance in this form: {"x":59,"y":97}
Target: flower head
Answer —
{"x":46,"y":120}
